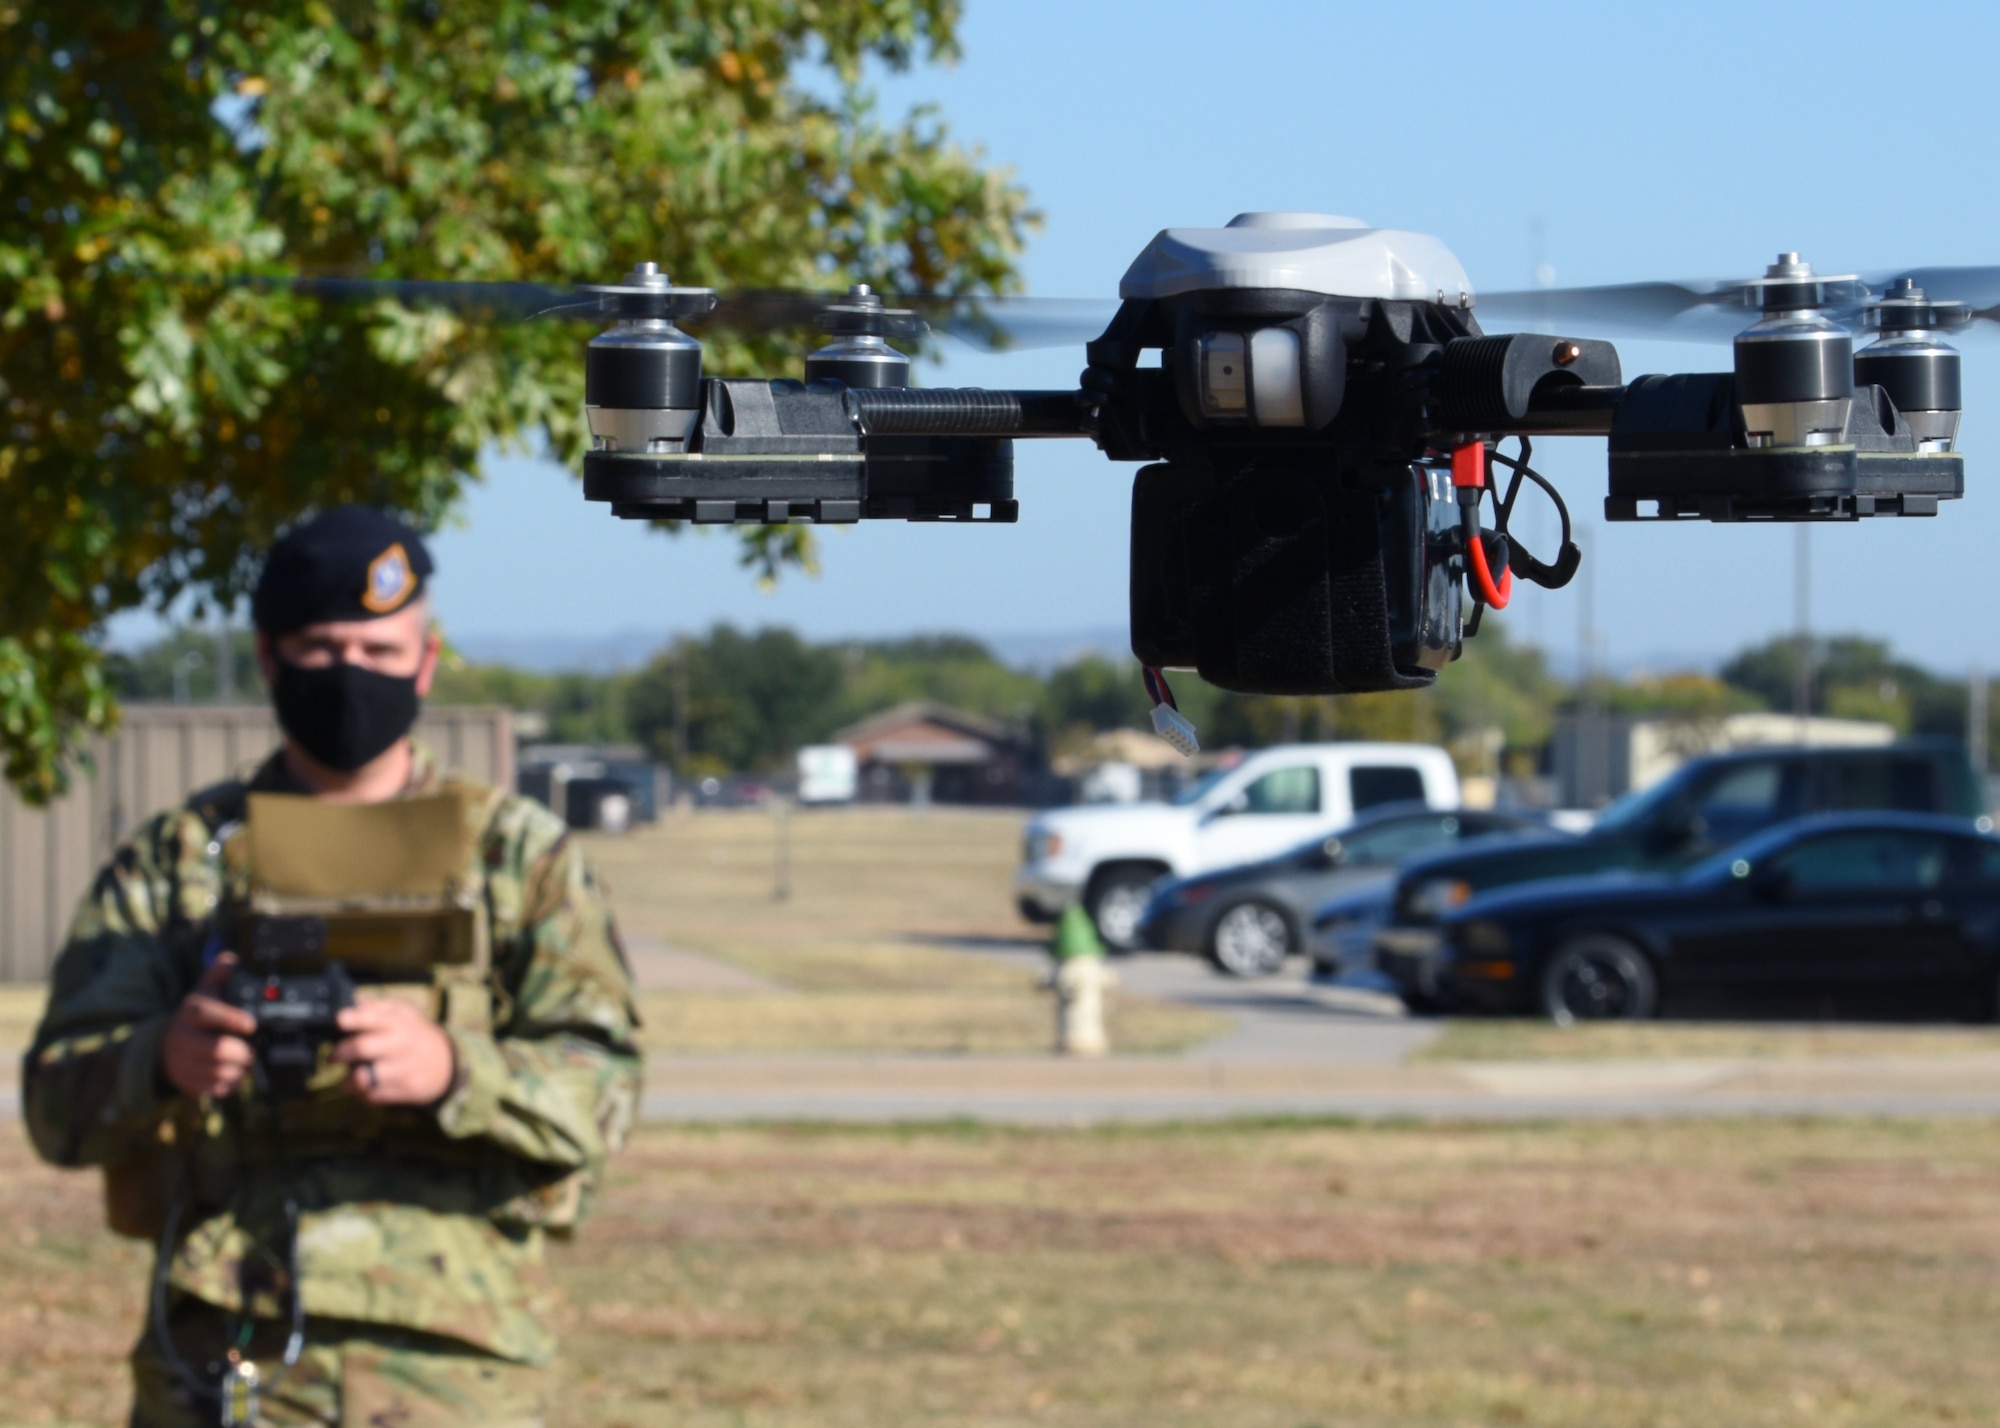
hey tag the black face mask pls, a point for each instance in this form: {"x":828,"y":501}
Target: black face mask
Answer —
{"x":343,"y":715}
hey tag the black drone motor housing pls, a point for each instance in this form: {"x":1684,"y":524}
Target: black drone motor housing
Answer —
{"x":1678,"y":450}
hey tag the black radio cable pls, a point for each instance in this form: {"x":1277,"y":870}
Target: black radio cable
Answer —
{"x":295,"y":1340}
{"x":1570,"y":555}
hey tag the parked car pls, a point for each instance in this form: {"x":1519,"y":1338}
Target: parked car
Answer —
{"x":1341,"y":940}
{"x":733,"y":791}
{"x":1248,"y":919}
{"x":1110,"y":856}
{"x":1876,"y":914}
{"x":1705,"y":806}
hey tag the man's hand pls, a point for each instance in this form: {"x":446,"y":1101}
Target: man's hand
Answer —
{"x":399,"y":1055}
{"x":204,"y":1052}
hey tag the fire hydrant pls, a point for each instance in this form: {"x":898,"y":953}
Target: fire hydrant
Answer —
{"x":1080,"y":979}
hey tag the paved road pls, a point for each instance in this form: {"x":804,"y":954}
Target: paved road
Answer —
{"x":1051,"y":1091}
{"x":1297,"y":1050}
{"x":1278,"y":1019}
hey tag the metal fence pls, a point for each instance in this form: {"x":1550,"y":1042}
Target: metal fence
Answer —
{"x":160,"y":755}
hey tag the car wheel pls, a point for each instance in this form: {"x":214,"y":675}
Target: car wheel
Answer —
{"x":1598,"y":978}
{"x":1116,"y":901}
{"x":1251,"y":939}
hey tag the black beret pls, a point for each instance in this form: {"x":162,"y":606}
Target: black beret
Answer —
{"x":349,"y":563}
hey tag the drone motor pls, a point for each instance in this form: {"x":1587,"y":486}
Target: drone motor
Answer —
{"x":859,"y":356}
{"x":1913,"y":368}
{"x":642,"y":377}
{"x":1794,"y":369}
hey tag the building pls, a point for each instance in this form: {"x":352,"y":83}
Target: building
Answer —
{"x":161,"y":754}
{"x":611,"y":787}
{"x":1127,"y":765}
{"x":922,"y":753}
{"x":1595,"y":758}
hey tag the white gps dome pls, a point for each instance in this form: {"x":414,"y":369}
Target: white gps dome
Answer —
{"x":1301,"y":252}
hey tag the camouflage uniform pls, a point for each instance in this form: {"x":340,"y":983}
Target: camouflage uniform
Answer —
{"x":421,"y":1229}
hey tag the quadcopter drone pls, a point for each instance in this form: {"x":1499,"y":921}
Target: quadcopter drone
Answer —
{"x":1321,"y":416}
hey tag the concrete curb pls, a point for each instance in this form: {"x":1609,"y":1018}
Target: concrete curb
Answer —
{"x":1048,"y":1091}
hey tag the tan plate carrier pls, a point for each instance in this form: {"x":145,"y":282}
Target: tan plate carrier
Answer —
{"x":398,"y":888}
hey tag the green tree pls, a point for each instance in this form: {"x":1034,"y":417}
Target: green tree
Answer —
{"x":1854,"y":677}
{"x":950,"y":669}
{"x":1094,"y":693}
{"x":1498,"y":684}
{"x":751,"y":700}
{"x":579,"y":707}
{"x":190,"y":664}
{"x":162,"y":431}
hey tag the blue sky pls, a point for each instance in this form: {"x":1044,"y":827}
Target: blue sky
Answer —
{"x":1646,"y":141}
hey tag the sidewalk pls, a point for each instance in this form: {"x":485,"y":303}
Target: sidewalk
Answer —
{"x":1035,"y":1091}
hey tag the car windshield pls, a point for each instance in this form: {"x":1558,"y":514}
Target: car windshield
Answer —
{"x":1638,"y":808}
{"x":1720,"y":866}
{"x":1194,"y":792}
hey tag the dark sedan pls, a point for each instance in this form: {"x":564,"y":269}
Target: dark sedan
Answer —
{"x":1248,"y":919}
{"x":1875,"y":915}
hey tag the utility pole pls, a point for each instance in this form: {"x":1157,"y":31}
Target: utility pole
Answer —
{"x":184,"y":669}
{"x":781,"y":810}
{"x":1593,"y":762}
{"x":1802,"y":670}
{"x":225,"y":660}
{"x":1976,"y":697}
{"x":1541,"y":274}
{"x":681,"y":712}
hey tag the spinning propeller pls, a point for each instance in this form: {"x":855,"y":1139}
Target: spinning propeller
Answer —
{"x":1716,"y":310}
{"x":989,"y":323}
{"x":1696,"y":310}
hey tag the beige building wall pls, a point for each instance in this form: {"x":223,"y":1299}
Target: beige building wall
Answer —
{"x":160,"y":755}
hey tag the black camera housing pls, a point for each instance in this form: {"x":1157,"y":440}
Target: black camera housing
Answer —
{"x":1322,"y":553}
{"x":1269,"y":580}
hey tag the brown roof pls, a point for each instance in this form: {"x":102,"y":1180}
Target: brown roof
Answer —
{"x":926,"y":732}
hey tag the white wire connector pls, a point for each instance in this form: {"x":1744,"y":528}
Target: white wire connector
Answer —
{"x":1168,"y":721}
{"x":1173,"y":726}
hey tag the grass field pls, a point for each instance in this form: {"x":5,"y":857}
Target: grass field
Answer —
{"x":1496,"y":1040}
{"x":1273,"y":1276}
{"x":1270,"y":1275}
{"x":851,"y":958}
{"x":852,"y":952}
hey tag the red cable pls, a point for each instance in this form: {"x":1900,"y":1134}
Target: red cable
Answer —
{"x":1482,"y":574}
{"x":1468,"y":464}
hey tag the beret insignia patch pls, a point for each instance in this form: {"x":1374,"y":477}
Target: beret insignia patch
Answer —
{"x":390,"y":581}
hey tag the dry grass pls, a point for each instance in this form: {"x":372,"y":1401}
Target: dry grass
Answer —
{"x":1587,"y":1276}
{"x":851,"y":951}
{"x":1495,"y":1040}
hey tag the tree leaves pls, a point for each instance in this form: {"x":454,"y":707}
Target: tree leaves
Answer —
{"x":162,"y":425}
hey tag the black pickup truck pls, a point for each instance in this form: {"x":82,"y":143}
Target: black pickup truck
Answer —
{"x":1702,"y":807}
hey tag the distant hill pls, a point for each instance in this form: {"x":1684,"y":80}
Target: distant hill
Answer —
{"x":604,"y":652}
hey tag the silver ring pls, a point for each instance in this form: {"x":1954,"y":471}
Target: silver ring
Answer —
{"x":369,"y":1068}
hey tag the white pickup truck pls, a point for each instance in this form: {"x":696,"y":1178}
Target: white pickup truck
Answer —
{"x":1276,"y":799}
